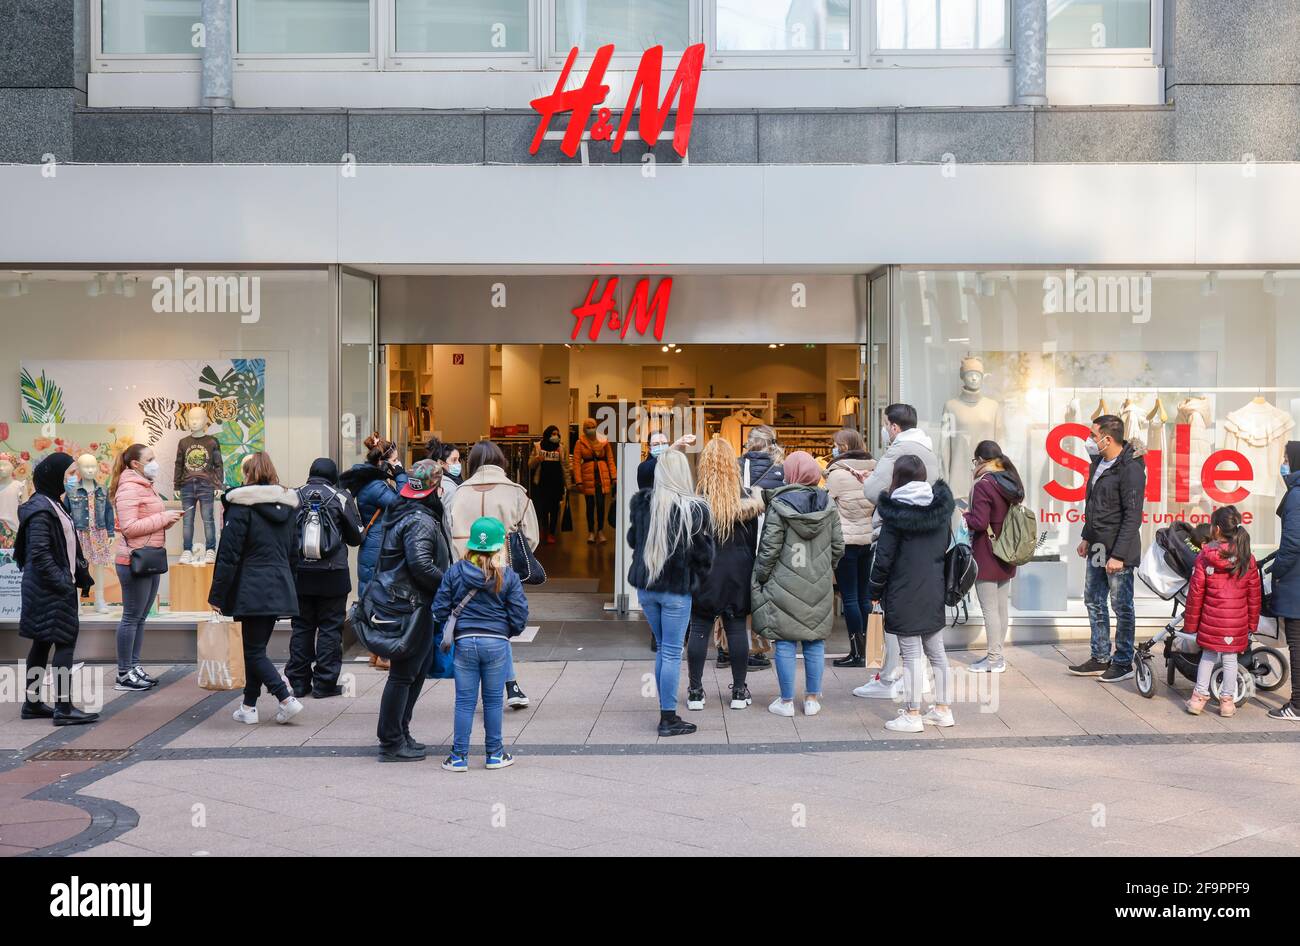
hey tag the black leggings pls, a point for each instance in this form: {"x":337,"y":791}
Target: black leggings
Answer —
{"x":550,"y":510}
{"x":1291,"y":626}
{"x":596,"y":511}
{"x":697,"y":648}
{"x":259,"y":671}
{"x":38,"y":658}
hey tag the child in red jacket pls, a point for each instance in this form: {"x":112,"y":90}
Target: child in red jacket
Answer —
{"x":1222,"y":606}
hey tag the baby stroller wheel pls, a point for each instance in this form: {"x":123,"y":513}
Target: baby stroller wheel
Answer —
{"x":1145,"y":677}
{"x":1268,"y":666}
{"x":1244,"y":689}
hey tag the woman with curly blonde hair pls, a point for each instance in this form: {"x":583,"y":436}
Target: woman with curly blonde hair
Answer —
{"x":725,"y":592}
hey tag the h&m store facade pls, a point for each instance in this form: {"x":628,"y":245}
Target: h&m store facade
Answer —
{"x":1008,"y":301}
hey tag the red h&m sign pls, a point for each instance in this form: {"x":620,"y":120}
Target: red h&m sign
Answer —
{"x":603,"y":312}
{"x":645,"y":86}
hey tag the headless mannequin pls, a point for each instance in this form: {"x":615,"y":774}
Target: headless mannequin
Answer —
{"x":86,"y":471}
{"x":967,"y":419}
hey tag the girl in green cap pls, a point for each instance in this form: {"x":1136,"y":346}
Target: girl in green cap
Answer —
{"x":480,"y":605}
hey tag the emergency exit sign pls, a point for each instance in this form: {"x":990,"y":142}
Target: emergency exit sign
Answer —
{"x":458,"y":358}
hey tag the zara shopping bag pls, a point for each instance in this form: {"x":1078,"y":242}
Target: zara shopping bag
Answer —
{"x":220,"y":654}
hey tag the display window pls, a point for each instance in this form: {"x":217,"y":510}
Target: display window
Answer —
{"x":204,"y":368}
{"x":1199,"y":366}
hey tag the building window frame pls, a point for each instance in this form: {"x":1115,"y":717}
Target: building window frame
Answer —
{"x":102,"y":61}
{"x":850,"y":58}
{"x":932,"y":58}
{"x":312,"y":62}
{"x":554,"y":58}
{"x":528,"y":61}
{"x":1134,"y":56}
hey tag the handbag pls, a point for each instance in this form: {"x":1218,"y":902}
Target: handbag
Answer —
{"x":150,"y":560}
{"x":566,"y":521}
{"x":444,"y":658}
{"x":390,"y":634}
{"x":875,"y":649}
{"x":519,"y":555}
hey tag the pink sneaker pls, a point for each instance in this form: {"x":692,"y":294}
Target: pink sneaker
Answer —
{"x":1197,"y":703}
{"x":1227,"y":706}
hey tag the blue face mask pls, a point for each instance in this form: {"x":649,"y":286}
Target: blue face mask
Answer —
{"x":835,"y":450}
{"x":658,"y":449}
{"x":1286,"y":470}
{"x":453,"y":469}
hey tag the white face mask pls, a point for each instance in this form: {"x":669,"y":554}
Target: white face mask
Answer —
{"x":1091,"y":446}
{"x":885,"y":438}
{"x":151,"y":469}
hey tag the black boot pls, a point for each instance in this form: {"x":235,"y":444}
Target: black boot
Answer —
{"x":401,"y":753}
{"x":670,"y":724}
{"x":856,"y":656}
{"x":36,"y":710}
{"x":65,"y":714}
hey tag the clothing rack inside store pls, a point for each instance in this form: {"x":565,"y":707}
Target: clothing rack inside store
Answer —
{"x":1122,"y":389}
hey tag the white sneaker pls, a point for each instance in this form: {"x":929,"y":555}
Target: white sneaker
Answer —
{"x":811,"y":707}
{"x":989,"y":665}
{"x":780,"y":707}
{"x":878,"y":688}
{"x":246,"y":714}
{"x":937,"y":717}
{"x":906,"y":722}
{"x":288,"y":709}
{"x":695,"y":701}
{"x":186,"y":557}
{"x":209,"y":556}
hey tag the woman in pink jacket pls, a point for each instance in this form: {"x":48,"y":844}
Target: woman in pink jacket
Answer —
{"x":141,"y":521}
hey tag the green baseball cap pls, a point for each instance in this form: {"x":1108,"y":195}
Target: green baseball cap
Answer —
{"x":486,"y":535}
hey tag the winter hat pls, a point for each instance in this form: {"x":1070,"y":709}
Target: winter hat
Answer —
{"x":325,"y":469}
{"x":802,"y":470}
{"x":47,"y":478}
{"x":486,"y":535}
{"x":422,"y":480}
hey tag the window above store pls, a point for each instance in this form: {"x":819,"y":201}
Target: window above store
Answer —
{"x":490,"y":35}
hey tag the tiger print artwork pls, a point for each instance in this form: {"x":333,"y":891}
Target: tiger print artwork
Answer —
{"x":162,"y":414}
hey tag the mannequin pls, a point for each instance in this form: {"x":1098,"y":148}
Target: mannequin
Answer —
{"x":12,"y":494}
{"x":200,"y":476}
{"x":92,"y":514}
{"x":967,"y":419}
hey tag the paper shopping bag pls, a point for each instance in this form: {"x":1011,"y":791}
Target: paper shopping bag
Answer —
{"x":221,"y":655}
{"x":876,"y":639}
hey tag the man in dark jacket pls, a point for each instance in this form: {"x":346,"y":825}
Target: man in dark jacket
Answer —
{"x":316,"y":646}
{"x":49,"y":555}
{"x":1112,"y":547}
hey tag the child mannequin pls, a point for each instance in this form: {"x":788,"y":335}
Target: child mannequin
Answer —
{"x":92,"y":514}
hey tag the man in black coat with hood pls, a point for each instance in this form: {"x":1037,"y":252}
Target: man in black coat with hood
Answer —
{"x":49,"y":555}
{"x":1112,"y":546}
{"x":324,"y":583}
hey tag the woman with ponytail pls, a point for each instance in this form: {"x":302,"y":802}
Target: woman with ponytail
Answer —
{"x":1223,"y":604}
{"x":997,"y":488}
{"x":142,"y":522}
{"x":672,"y":553}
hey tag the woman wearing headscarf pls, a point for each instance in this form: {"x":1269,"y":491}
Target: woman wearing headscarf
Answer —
{"x":324,"y":583}
{"x":49,"y":555}
{"x":793,"y":593}
{"x":672,"y":551}
{"x":548,"y":466}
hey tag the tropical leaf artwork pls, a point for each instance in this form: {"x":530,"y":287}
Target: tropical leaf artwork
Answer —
{"x":238,"y":441}
{"x":245,"y":384}
{"x":42,"y":400}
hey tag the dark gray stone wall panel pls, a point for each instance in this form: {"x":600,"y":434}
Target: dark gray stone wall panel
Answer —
{"x":1104,"y":135}
{"x":988,"y":136}
{"x":36,"y":122}
{"x":1235,"y":41}
{"x":1228,"y":122}
{"x":279,"y":137}
{"x":826,"y":137}
{"x":415,"y":138}
{"x":724,"y":138}
{"x":109,"y":137}
{"x":38,"y":44}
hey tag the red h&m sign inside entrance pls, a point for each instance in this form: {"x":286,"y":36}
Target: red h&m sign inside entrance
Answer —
{"x":645,"y":86}
{"x":603,"y":312}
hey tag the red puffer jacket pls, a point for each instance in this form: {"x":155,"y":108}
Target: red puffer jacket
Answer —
{"x":1222,"y":609}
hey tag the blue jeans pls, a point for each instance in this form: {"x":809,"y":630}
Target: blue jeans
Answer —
{"x":1097,"y":587}
{"x":851,"y":576}
{"x":200,"y":493}
{"x":137,"y":598}
{"x":480,"y":665}
{"x":669,"y":616}
{"x":814,"y":663}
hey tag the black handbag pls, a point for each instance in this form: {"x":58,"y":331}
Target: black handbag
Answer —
{"x":522,"y":559}
{"x":151,"y":560}
{"x":390,"y":634}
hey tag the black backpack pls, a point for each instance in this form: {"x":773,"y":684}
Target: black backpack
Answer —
{"x":959,"y":571}
{"x":318,"y":531}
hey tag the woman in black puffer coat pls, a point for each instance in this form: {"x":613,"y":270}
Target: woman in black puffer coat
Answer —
{"x":761,"y":466}
{"x":49,"y":555}
{"x":253,"y":580}
{"x":907,"y":579}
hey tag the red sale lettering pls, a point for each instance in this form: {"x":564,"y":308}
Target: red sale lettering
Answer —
{"x":603,"y":312}
{"x":1221,"y":467}
{"x":583,"y":100}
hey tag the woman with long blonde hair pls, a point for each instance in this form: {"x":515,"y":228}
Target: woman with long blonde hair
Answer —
{"x":672,"y":551}
{"x":724,"y":593}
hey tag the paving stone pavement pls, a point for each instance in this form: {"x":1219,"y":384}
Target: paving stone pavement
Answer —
{"x":1039,"y":763}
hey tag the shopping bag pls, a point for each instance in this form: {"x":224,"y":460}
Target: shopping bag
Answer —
{"x":220,"y":654}
{"x":875,"y":650}
{"x":566,"y":521}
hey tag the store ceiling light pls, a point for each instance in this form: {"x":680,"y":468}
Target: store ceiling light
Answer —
{"x":677,"y":350}
{"x":664,"y":349}
{"x":771,"y":344}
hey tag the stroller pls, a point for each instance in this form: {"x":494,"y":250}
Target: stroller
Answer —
{"x":1167,"y":570}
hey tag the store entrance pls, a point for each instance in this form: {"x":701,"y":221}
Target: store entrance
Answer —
{"x":514,"y":394}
